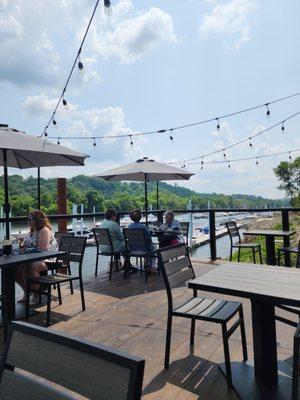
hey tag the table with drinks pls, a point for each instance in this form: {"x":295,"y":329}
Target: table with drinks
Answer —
{"x":10,"y":258}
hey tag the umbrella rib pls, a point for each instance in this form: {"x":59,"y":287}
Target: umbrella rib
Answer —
{"x":17,"y":160}
{"x":24,"y":158}
{"x":72,"y":159}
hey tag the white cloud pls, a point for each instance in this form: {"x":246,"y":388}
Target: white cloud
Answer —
{"x":132,"y":38}
{"x":37,"y":47}
{"x":229,"y":21}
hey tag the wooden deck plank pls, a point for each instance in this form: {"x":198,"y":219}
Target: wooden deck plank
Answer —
{"x":131,"y":315}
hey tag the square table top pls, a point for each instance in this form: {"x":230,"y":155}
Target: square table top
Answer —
{"x":13,"y":260}
{"x":268,"y":232}
{"x":277,"y":285}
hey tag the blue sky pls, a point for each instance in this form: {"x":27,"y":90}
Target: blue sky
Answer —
{"x":153,"y":65}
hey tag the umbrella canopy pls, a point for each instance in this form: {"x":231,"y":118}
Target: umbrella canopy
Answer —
{"x":19,"y":150}
{"x":26,"y":151}
{"x":146,"y":170}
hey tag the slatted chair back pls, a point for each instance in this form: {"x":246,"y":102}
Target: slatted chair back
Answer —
{"x":102,"y":237}
{"x":75,"y":247}
{"x":135,"y":238}
{"x":233,"y":231}
{"x":185,"y":227}
{"x":175,"y":265}
{"x":58,"y":236}
{"x":84,"y":368}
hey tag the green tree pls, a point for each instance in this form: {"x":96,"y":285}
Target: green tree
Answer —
{"x":288,"y":174}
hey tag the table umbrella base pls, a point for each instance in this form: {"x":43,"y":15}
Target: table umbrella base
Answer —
{"x":247,"y":387}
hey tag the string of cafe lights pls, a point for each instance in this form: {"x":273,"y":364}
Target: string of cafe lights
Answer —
{"x":170,"y":131}
{"x":248,"y":139}
{"x":257,"y":158}
{"x":62,"y":99}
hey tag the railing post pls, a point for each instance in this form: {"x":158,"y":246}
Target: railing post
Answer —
{"x":286,"y":239}
{"x":160,"y":216}
{"x":212,"y":235}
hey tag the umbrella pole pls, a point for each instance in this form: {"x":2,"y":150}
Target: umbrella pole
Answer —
{"x":39,"y":188}
{"x":157,"y":205}
{"x":146,"y":199}
{"x":6,"y":205}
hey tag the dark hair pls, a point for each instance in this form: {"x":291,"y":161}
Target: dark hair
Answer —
{"x":40,"y":220}
{"x":110,"y":213}
{"x":136,"y":215}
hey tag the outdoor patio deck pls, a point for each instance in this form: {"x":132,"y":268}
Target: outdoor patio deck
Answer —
{"x":131,"y":315}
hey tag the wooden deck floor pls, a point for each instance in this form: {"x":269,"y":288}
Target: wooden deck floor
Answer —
{"x":131,"y":315}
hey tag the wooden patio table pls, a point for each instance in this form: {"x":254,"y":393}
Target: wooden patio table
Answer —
{"x":270,"y":241}
{"x":266,"y":287}
{"x":8,"y":265}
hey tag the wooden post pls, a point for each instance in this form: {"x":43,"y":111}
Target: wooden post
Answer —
{"x":62,"y":203}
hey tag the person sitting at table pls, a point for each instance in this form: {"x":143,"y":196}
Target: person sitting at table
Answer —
{"x":171,"y":225}
{"x":40,"y":237}
{"x":136,"y":216}
{"x":116,"y":235}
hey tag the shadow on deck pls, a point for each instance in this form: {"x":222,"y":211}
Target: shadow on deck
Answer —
{"x":131,"y":315}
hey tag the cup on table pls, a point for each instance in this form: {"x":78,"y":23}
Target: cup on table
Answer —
{"x":7,"y":249}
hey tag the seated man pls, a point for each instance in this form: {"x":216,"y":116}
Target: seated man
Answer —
{"x":136,"y":217}
{"x":116,"y":235}
{"x":170,"y":227}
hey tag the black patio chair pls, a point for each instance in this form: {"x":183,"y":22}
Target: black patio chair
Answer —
{"x":102,"y":237}
{"x":185,"y":226}
{"x":40,"y":363}
{"x":137,"y":238}
{"x":75,"y":247}
{"x":296,"y":364}
{"x":55,"y":265}
{"x":176,"y":268}
{"x":291,"y":250}
{"x":233,"y":232}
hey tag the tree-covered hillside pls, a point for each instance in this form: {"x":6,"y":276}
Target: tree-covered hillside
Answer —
{"x":92,"y":191}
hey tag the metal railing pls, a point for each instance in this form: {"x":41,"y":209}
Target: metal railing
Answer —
{"x":211,"y":217}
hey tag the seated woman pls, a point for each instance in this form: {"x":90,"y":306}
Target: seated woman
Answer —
{"x":116,"y":235}
{"x":170,"y":227}
{"x":136,"y":217}
{"x":40,"y":237}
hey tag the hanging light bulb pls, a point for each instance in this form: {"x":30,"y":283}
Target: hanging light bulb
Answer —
{"x":54,"y":122}
{"x":224,"y":154}
{"x":201,"y":167}
{"x":202,"y":162}
{"x":107,"y":8}
{"x":228,"y":164}
{"x":250,"y":143}
{"x":171,"y":135}
{"x":282,"y":127}
{"x":58,"y":140}
{"x":257,"y":161}
{"x":218,"y":124}
{"x":80,"y":66}
{"x":183,"y":166}
{"x":46,"y":134}
{"x":290,"y":156}
{"x":268,"y":113}
{"x":131,"y":141}
{"x":65,"y":104}
{"x":94,"y":144}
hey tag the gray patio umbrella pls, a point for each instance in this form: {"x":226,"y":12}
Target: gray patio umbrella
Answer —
{"x":20,"y":150}
{"x":146,"y":170}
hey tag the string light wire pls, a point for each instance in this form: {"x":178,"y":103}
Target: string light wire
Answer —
{"x":77,"y":58}
{"x":239,"y":142}
{"x":170,"y":130}
{"x":289,"y":152}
